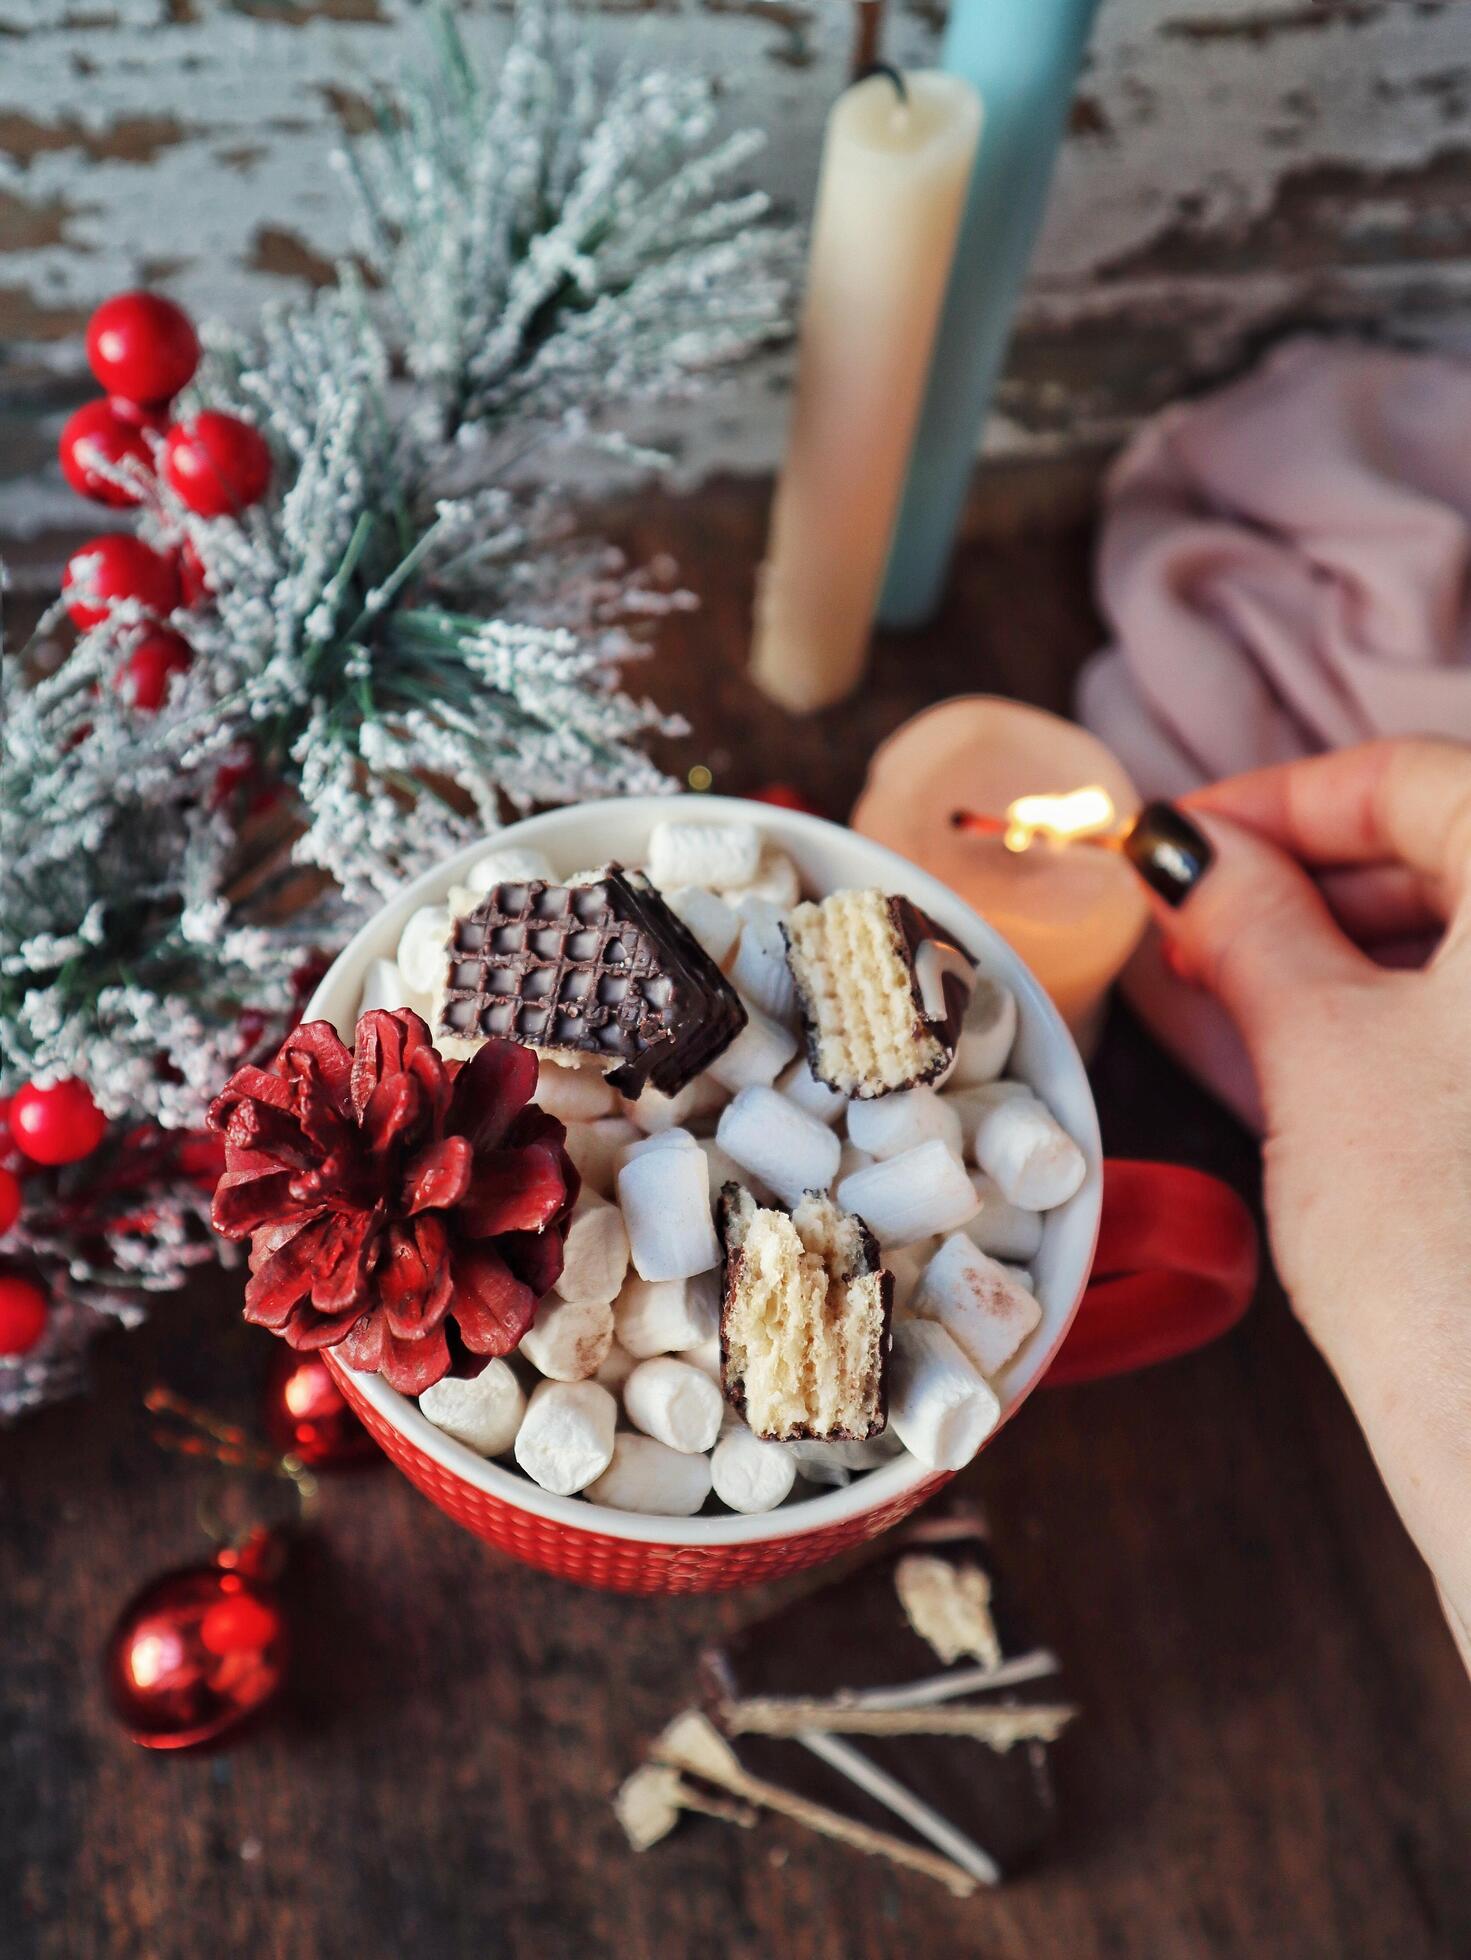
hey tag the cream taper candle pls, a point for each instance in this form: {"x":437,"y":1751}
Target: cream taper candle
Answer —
{"x":896,"y":161}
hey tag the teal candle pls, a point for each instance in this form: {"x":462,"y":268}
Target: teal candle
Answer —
{"x":1023,"y":56}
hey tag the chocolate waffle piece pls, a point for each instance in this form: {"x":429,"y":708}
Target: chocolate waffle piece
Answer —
{"x":804,"y":1326}
{"x":602,"y":970}
{"x":882,"y":989}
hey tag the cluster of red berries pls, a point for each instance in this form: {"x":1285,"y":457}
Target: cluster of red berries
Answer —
{"x":143,"y":349}
{"x":49,"y":1126}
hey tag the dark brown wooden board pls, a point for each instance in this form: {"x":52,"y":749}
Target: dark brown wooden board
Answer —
{"x":1275,"y":1752}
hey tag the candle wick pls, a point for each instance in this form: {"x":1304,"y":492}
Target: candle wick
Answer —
{"x":889,"y":73}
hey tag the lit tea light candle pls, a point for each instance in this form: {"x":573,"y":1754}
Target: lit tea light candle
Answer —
{"x":1023,"y":780}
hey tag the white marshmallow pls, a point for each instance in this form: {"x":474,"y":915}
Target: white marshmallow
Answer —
{"x":851,"y":1159}
{"x":912,"y":1196}
{"x":790,"y":1150}
{"x":616,"y":1366}
{"x":906,"y":1263}
{"x":423,"y":951}
{"x":815,"y":1097}
{"x":566,"y":1437}
{"x":594,"y":1148}
{"x":674,"y":1402}
{"x":836,"y":1463}
{"x":939,"y":1407}
{"x":573,"y":1095}
{"x":725,"y":1170}
{"x":759,"y":970}
{"x":663,"y":1316}
{"x":885,"y":1126}
{"x":1033,"y":1159}
{"x":1021,"y":1274}
{"x":715,"y":924}
{"x":674,"y":1138}
{"x":385,"y":987}
{"x":654,"y":1111}
{"x":1005,"y":1230}
{"x":987,"y":1034}
{"x":750,"y":1475}
{"x":777,"y":882}
{"x":970,"y":1105}
{"x":646,"y":1475}
{"x":707,"y":1357}
{"x":512,"y":866}
{"x":569,"y":1339}
{"x":595,"y":1254}
{"x":665,"y":1195}
{"x":719,"y":855}
{"x":758,"y":1054}
{"x":483,"y":1414}
{"x":979,"y":1305}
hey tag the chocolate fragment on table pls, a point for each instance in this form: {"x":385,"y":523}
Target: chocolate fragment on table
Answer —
{"x":883,"y":991}
{"x":602,"y":970}
{"x":845,"y":1697}
{"x":804,"y":1321}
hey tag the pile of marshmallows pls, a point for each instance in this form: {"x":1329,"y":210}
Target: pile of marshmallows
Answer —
{"x":953,"y":1182}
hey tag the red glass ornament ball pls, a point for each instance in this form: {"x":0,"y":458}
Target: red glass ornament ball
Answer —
{"x":143,"y":679}
{"x":306,"y":1414}
{"x":10,"y":1200}
{"x":217,"y":464}
{"x":96,"y":433}
{"x":116,"y":567}
{"x":193,"y":582}
{"x":142,"y":346}
{"x":58,"y":1124}
{"x":194,"y":1654}
{"x":784,"y":797}
{"x":24,"y":1311}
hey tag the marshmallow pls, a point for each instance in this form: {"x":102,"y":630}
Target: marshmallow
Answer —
{"x":836,"y":1463}
{"x":798,"y":1082}
{"x":885,"y":1126}
{"x":566,"y":1437}
{"x":851,"y":1159}
{"x":1005,"y":1230}
{"x":719,"y":855}
{"x":674,"y":1402}
{"x":569,"y":1339}
{"x":674,"y":1138}
{"x":759,"y":970}
{"x":970,"y":1105}
{"x":423,"y":949}
{"x":595,"y":1253}
{"x":939,"y":1407}
{"x":665,"y":1195}
{"x":979,"y":1305}
{"x":749,"y":1475}
{"x":594,"y":1148}
{"x":708,"y":1358}
{"x":483,"y":1414}
{"x":725,"y":1170}
{"x":1022,"y":1145}
{"x":715,"y":924}
{"x":385,"y":987}
{"x":646,"y":1475}
{"x":663,"y":1316}
{"x":573,"y":1095}
{"x":614,"y":1369}
{"x":906,"y":1263}
{"x":790,"y":1150}
{"x":911,"y":1196}
{"x":654,"y":1111}
{"x":987,"y":1034}
{"x":776,"y":883}
{"x":758,"y":1054}
{"x":512,"y":866}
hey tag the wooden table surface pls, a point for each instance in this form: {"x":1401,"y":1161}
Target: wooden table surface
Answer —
{"x":1274,"y":1756}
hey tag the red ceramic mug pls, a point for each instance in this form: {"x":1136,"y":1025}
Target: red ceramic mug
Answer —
{"x":1132,"y":1316}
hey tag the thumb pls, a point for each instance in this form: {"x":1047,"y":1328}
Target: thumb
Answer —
{"x":1256,"y":932}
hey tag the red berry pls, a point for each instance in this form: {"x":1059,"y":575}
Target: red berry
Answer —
{"x":56,"y":1125}
{"x":784,"y":797}
{"x":217,"y":464}
{"x":142,"y":346}
{"x":143,"y":679}
{"x":9,"y":1200}
{"x":24,"y":1310}
{"x":122,"y":567}
{"x":97,"y":433}
{"x":193,"y":580}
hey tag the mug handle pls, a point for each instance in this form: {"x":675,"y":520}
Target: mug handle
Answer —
{"x":1176,"y":1267}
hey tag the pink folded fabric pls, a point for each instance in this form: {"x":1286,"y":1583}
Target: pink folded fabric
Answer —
{"x":1286,"y":567}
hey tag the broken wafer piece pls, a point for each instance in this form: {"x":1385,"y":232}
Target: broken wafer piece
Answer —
{"x":804,"y":1326}
{"x":882,"y":991}
{"x":602,"y":970}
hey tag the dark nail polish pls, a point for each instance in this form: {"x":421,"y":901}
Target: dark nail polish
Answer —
{"x":1168,"y":851}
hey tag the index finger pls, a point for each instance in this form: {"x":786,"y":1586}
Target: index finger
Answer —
{"x":1404,"y":801}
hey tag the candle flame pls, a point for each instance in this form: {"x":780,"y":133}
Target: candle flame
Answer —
{"x":1058,"y":819}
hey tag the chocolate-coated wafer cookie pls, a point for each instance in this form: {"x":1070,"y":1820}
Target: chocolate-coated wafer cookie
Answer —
{"x":603,"y":969}
{"x":882,"y":989}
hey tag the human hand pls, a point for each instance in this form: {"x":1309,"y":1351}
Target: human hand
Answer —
{"x":1365,"y":1077}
